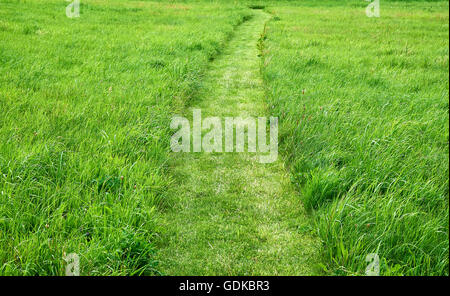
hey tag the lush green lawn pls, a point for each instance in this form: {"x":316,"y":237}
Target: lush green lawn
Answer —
{"x":363,"y":106}
{"x":84,"y":126}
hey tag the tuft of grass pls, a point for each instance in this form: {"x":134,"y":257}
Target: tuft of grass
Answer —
{"x":363,"y":110}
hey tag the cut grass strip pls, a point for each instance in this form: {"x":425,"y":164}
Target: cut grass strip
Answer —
{"x":232,"y":215}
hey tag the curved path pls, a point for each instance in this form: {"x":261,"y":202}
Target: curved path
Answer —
{"x":233,"y":215}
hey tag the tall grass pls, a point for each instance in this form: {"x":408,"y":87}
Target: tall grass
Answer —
{"x":84,"y":126}
{"x":363,"y":107}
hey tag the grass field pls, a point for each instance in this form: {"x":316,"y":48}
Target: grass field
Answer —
{"x":84,"y":127}
{"x":364,"y":109}
{"x":85,"y":160}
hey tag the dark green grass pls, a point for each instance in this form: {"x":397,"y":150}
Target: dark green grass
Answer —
{"x":85,"y":106}
{"x":363,"y":107}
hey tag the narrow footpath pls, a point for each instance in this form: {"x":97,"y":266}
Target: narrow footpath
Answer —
{"x":233,"y":215}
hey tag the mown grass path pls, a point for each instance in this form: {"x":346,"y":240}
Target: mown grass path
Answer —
{"x":232,"y":215}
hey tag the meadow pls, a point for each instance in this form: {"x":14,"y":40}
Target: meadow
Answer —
{"x":364,"y":109}
{"x":85,"y":126}
{"x":85,"y":110}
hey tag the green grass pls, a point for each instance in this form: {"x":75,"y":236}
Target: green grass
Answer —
{"x":232,"y":215}
{"x":84,"y":128}
{"x":363,"y":106}
{"x":85,"y":163}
